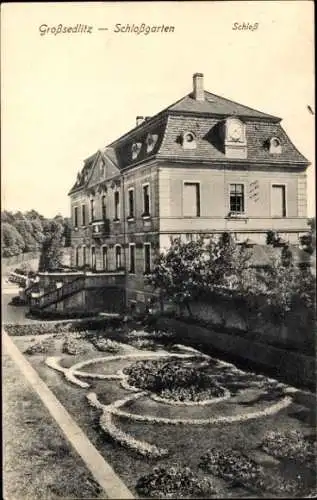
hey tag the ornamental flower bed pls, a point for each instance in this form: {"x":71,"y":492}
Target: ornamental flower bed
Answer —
{"x":107,"y":345}
{"x":40,"y":347}
{"x":291,"y":445}
{"x":232,"y":466}
{"x":173,"y":379}
{"x":175,"y":482}
{"x":239,"y":470}
{"x":73,"y":345}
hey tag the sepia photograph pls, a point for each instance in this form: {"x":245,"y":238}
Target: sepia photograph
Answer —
{"x":158,"y":250}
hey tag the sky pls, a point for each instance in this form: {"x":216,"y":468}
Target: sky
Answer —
{"x":66,"y":95}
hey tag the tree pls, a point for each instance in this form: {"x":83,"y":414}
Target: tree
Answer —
{"x":52,"y":254}
{"x":188,"y":270}
{"x":25,"y":228}
{"x":12,"y":242}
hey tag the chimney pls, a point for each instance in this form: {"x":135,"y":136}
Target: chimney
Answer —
{"x":198,"y":87}
{"x":139,"y":120}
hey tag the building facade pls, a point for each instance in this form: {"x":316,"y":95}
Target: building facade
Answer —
{"x":204,"y":165}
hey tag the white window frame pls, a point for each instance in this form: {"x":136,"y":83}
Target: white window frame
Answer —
{"x":131,"y":189}
{"x":130,"y":246}
{"x":285,"y":192}
{"x":115,"y":256}
{"x":244,"y":184}
{"x":146,"y":184}
{"x":146,"y":244}
{"x":190,"y":181}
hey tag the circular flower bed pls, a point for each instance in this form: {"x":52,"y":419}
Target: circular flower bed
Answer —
{"x":175,"y":482}
{"x":174,"y":379}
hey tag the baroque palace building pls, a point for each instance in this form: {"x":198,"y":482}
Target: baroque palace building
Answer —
{"x":204,"y":165}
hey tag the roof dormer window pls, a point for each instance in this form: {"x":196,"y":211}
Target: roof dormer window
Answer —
{"x":189,"y":140}
{"x":136,"y":148}
{"x":150,"y":142}
{"x":275,"y":145}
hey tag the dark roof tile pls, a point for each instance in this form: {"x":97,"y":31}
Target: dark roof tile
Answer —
{"x":209,"y":144}
{"x":214,"y":104}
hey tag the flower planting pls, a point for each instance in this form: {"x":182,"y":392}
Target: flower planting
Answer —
{"x":175,"y":482}
{"x":73,"y":345}
{"x":173,"y":380}
{"x":239,"y":470}
{"x":41,"y":347}
{"x":232,"y":466}
{"x":291,"y":445}
{"x":107,"y":345}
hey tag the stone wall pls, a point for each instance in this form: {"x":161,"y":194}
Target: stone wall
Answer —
{"x":292,"y":367}
{"x":234,"y":316}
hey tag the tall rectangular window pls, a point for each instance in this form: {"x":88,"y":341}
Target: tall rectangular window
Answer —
{"x":76,"y":216}
{"x":84,"y":256}
{"x":147,"y":258}
{"x":237,"y":198}
{"x":103,"y":206}
{"x":131,"y":203}
{"x":118,"y":256}
{"x":105,"y":258}
{"x":117,"y":205}
{"x":146,"y":199}
{"x":278,"y":201}
{"x":92,"y":209}
{"x":132,"y":259}
{"x":83,"y":215}
{"x":93,"y":258}
{"x":77,"y":257}
{"x":191,"y":199}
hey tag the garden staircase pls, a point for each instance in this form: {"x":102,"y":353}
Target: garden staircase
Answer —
{"x":54,"y":296}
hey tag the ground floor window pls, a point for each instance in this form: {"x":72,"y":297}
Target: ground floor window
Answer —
{"x":105,"y":258}
{"x":147,"y":258}
{"x":84,"y":256}
{"x":132,"y":259}
{"x":93,"y":257}
{"x":77,"y":256}
{"x":118,"y":256}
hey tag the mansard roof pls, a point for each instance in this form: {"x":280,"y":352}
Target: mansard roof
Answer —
{"x":203,"y":117}
{"x":217,"y":106}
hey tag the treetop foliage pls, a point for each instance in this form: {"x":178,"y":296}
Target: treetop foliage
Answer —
{"x":27,"y":231}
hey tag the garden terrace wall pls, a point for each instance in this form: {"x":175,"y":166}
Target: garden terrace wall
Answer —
{"x":292,"y":367}
{"x":233,"y":315}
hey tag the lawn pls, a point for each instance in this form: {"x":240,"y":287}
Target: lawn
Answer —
{"x":210,"y":450}
{"x":38,"y":460}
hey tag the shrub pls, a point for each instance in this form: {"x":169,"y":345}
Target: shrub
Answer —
{"x":175,"y":482}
